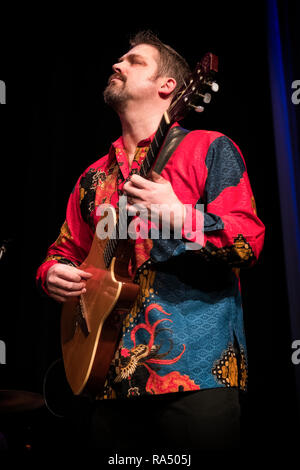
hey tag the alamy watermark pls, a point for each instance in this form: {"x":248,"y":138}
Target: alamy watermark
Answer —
{"x":161,"y":221}
{"x":2,"y":352}
{"x":2,"y":92}
{"x":296,"y":354}
{"x":296,"y":94}
{"x":2,"y":343}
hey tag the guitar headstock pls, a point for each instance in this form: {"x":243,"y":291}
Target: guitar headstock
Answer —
{"x":197,"y":92}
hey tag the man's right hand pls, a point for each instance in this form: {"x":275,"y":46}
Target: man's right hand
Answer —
{"x":65,"y":281}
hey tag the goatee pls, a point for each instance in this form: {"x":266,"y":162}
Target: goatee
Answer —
{"x":115,"y":95}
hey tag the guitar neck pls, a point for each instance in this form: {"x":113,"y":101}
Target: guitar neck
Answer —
{"x":155,"y":145}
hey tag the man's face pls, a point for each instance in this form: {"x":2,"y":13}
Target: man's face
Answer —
{"x":135,"y":77}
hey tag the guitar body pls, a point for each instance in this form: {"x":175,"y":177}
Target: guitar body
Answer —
{"x":91,"y":324}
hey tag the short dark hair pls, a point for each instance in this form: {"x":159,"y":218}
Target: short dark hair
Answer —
{"x":170,"y":62}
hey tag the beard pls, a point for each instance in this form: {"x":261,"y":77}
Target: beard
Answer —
{"x":115,"y":94}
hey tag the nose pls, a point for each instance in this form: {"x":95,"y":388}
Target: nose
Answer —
{"x":116,"y":67}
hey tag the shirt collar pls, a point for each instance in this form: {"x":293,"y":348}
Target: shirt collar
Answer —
{"x":119,"y":143}
{"x":118,"y":151}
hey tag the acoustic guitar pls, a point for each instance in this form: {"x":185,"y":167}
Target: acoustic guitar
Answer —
{"x":91,"y":324}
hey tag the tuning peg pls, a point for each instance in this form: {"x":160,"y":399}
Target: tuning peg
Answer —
{"x":206,"y":97}
{"x":214,"y":86}
{"x":198,"y":109}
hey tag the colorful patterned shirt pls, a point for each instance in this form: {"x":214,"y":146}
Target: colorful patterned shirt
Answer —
{"x":185,"y":330}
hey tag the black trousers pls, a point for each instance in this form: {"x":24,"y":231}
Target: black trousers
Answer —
{"x":197,"y":420}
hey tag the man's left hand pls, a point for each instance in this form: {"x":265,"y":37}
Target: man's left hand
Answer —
{"x":152,"y":193}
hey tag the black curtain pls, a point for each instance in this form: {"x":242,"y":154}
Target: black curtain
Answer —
{"x":284,"y":70}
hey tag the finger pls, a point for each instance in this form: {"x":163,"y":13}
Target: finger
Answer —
{"x":136,"y":204}
{"x":139,"y":181}
{"x":66,"y":285}
{"x":138,"y":210}
{"x":68,"y":275}
{"x":85,"y":274}
{"x":64,"y":293}
{"x":74,"y":275}
{"x":132,"y":209}
{"x":133,"y":200}
{"x":156,"y":178}
{"x":133,"y":191}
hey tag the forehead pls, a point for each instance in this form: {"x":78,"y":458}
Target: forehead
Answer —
{"x":146,"y":51}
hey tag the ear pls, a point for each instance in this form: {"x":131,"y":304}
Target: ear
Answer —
{"x":167,"y":86}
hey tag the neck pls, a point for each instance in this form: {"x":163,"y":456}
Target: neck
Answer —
{"x":138,"y":124}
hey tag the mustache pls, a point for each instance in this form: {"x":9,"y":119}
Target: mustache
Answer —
{"x":119,"y":75}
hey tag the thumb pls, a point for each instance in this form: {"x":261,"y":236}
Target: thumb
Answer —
{"x":156,"y":178}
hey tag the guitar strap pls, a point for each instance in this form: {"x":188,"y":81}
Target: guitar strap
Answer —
{"x":173,"y":139}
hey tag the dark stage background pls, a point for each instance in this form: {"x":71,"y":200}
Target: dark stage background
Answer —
{"x":55,"y":124}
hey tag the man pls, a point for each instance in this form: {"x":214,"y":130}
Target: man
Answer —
{"x":181,"y":362}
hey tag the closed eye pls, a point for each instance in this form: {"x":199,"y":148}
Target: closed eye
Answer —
{"x":133,"y":59}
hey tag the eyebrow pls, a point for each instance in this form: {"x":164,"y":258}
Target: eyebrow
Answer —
{"x":132,"y":57}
